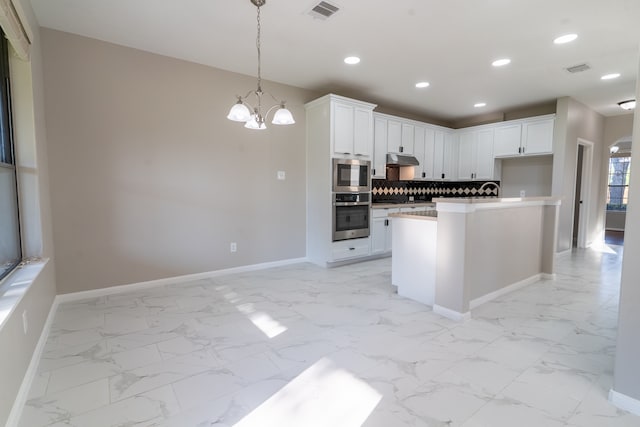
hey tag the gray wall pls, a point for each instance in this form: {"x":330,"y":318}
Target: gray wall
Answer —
{"x":151,"y":180}
{"x":574,"y":120}
{"x":532,"y":174}
{"x":626,"y":373}
{"x":16,"y":347}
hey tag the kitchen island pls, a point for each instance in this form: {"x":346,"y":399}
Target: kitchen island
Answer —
{"x":474,"y":251}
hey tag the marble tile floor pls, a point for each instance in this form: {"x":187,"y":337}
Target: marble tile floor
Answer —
{"x":305,"y":346}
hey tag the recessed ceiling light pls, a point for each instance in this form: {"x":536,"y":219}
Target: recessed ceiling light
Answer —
{"x":480,"y":104}
{"x":610,"y":76}
{"x":351,"y":60}
{"x":628,"y":105}
{"x":501,"y":62}
{"x":421,"y":85}
{"x":565,"y":38}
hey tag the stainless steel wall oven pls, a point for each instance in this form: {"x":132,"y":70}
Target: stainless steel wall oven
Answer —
{"x":351,"y":215}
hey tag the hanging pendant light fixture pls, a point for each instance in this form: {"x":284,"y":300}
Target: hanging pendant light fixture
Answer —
{"x":252,"y":116}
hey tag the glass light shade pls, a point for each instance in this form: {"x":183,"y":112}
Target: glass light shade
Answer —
{"x":239,"y":113}
{"x":628,"y":105}
{"x":283,"y":117}
{"x":252,"y":123}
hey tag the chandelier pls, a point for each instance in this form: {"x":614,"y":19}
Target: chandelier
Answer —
{"x":253,"y":117}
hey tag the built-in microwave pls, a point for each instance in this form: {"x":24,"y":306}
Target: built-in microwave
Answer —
{"x":351,"y":175}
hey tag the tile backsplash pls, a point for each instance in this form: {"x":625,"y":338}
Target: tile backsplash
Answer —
{"x":383,"y":190}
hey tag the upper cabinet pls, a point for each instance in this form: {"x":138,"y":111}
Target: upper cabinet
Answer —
{"x":352,"y":127}
{"x":378,"y":170}
{"x":475,"y":158}
{"x":525,"y":137}
{"x":445,"y":155}
{"x":424,"y":139}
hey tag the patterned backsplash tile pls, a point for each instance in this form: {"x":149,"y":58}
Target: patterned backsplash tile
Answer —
{"x":383,"y":190}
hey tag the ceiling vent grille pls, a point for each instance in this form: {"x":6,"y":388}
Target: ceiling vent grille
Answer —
{"x":324,"y":10}
{"x":578,"y":68}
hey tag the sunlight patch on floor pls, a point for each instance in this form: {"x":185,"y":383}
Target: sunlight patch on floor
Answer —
{"x":323,"y":395}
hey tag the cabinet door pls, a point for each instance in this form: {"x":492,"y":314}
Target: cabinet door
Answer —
{"x":362,"y":140}
{"x":537,"y":137}
{"x":343,"y":129}
{"x":408,"y":135}
{"x":418,"y":151}
{"x":379,"y":148}
{"x":484,"y":155}
{"x":466,"y":155}
{"x":507,"y":140}
{"x":394,"y":136}
{"x":438,"y":155}
{"x":450,"y":158}
{"x":427,"y":166}
{"x":389,"y":235}
{"x":378,"y":235}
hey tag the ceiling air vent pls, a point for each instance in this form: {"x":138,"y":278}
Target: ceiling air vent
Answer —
{"x":323,"y":10}
{"x":578,"y":68}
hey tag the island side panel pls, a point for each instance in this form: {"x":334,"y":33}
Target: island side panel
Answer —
{"x":450,"y":266}
{"x":550,"y":237}
{"x":503,"y":248}
{"x":413,"y":262}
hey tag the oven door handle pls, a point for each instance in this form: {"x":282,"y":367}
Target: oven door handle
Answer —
{"x":340,"y":204}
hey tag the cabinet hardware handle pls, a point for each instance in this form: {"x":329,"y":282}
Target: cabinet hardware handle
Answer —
{"x":442,"y":176}
{"x":523,"y":149}
{"x":352,"y":249}
{"x":373,"y":171}
{"x":386,"y":222}
{"x":401,"y":149}
{"x":424,"y":175}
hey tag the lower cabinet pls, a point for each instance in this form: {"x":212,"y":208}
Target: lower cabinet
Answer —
{"x":352,"y":248}
{"x":381,"y":230}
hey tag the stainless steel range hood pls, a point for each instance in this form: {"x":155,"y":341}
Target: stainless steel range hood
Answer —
{"x":394,"y":159}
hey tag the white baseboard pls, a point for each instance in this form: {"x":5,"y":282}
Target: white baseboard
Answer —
{"x":510,"y":288}
{"x":624,"y":402}
{"x":614,"y":229}
{"x":564,"y":253}
{"x":548,"y":276}
{"x":32,"y":369}
{"x":75,"y":296}
{"x":451,"y":314}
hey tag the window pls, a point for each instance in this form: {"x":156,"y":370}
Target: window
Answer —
{"x":10,"y":250}
{"x":618,"y":191}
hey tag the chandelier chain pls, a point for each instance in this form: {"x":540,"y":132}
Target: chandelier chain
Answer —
{"x":259,"y":53}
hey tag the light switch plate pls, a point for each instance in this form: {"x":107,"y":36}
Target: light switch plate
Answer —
{"x":522,"y":193}
{"x":282,"y":175}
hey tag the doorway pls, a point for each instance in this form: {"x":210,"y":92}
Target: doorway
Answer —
{"x":582,"y":193}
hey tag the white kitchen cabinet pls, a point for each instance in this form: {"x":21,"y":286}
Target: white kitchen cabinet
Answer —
{"x":423,"y":151}
{"x":408,"y":138}
{"x":507,"y":139}
{"x":335,"y":126}
{"x":475,"y":158}
{"x":353,"y":248}
{"x":526,"y":137}
{"x":378,"y":168}
{"x":381,"y":231}
{"x":537,"y":137}
{"x":352,"y":129}
{"x":394,"y":135}
{"x":445,"y":156}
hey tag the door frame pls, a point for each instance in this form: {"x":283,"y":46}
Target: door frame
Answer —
{"x":585,"y":192}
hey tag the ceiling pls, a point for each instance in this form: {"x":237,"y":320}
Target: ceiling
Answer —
{"x":449,"y":43}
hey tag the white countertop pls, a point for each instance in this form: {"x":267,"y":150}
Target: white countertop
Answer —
{"x":402,"y":205}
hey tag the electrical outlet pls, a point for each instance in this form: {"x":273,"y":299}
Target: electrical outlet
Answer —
{"x":522,"y":193}
{"x":25,"y":324}
{"x":234,"y":247}
{"x":282,"y":175}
